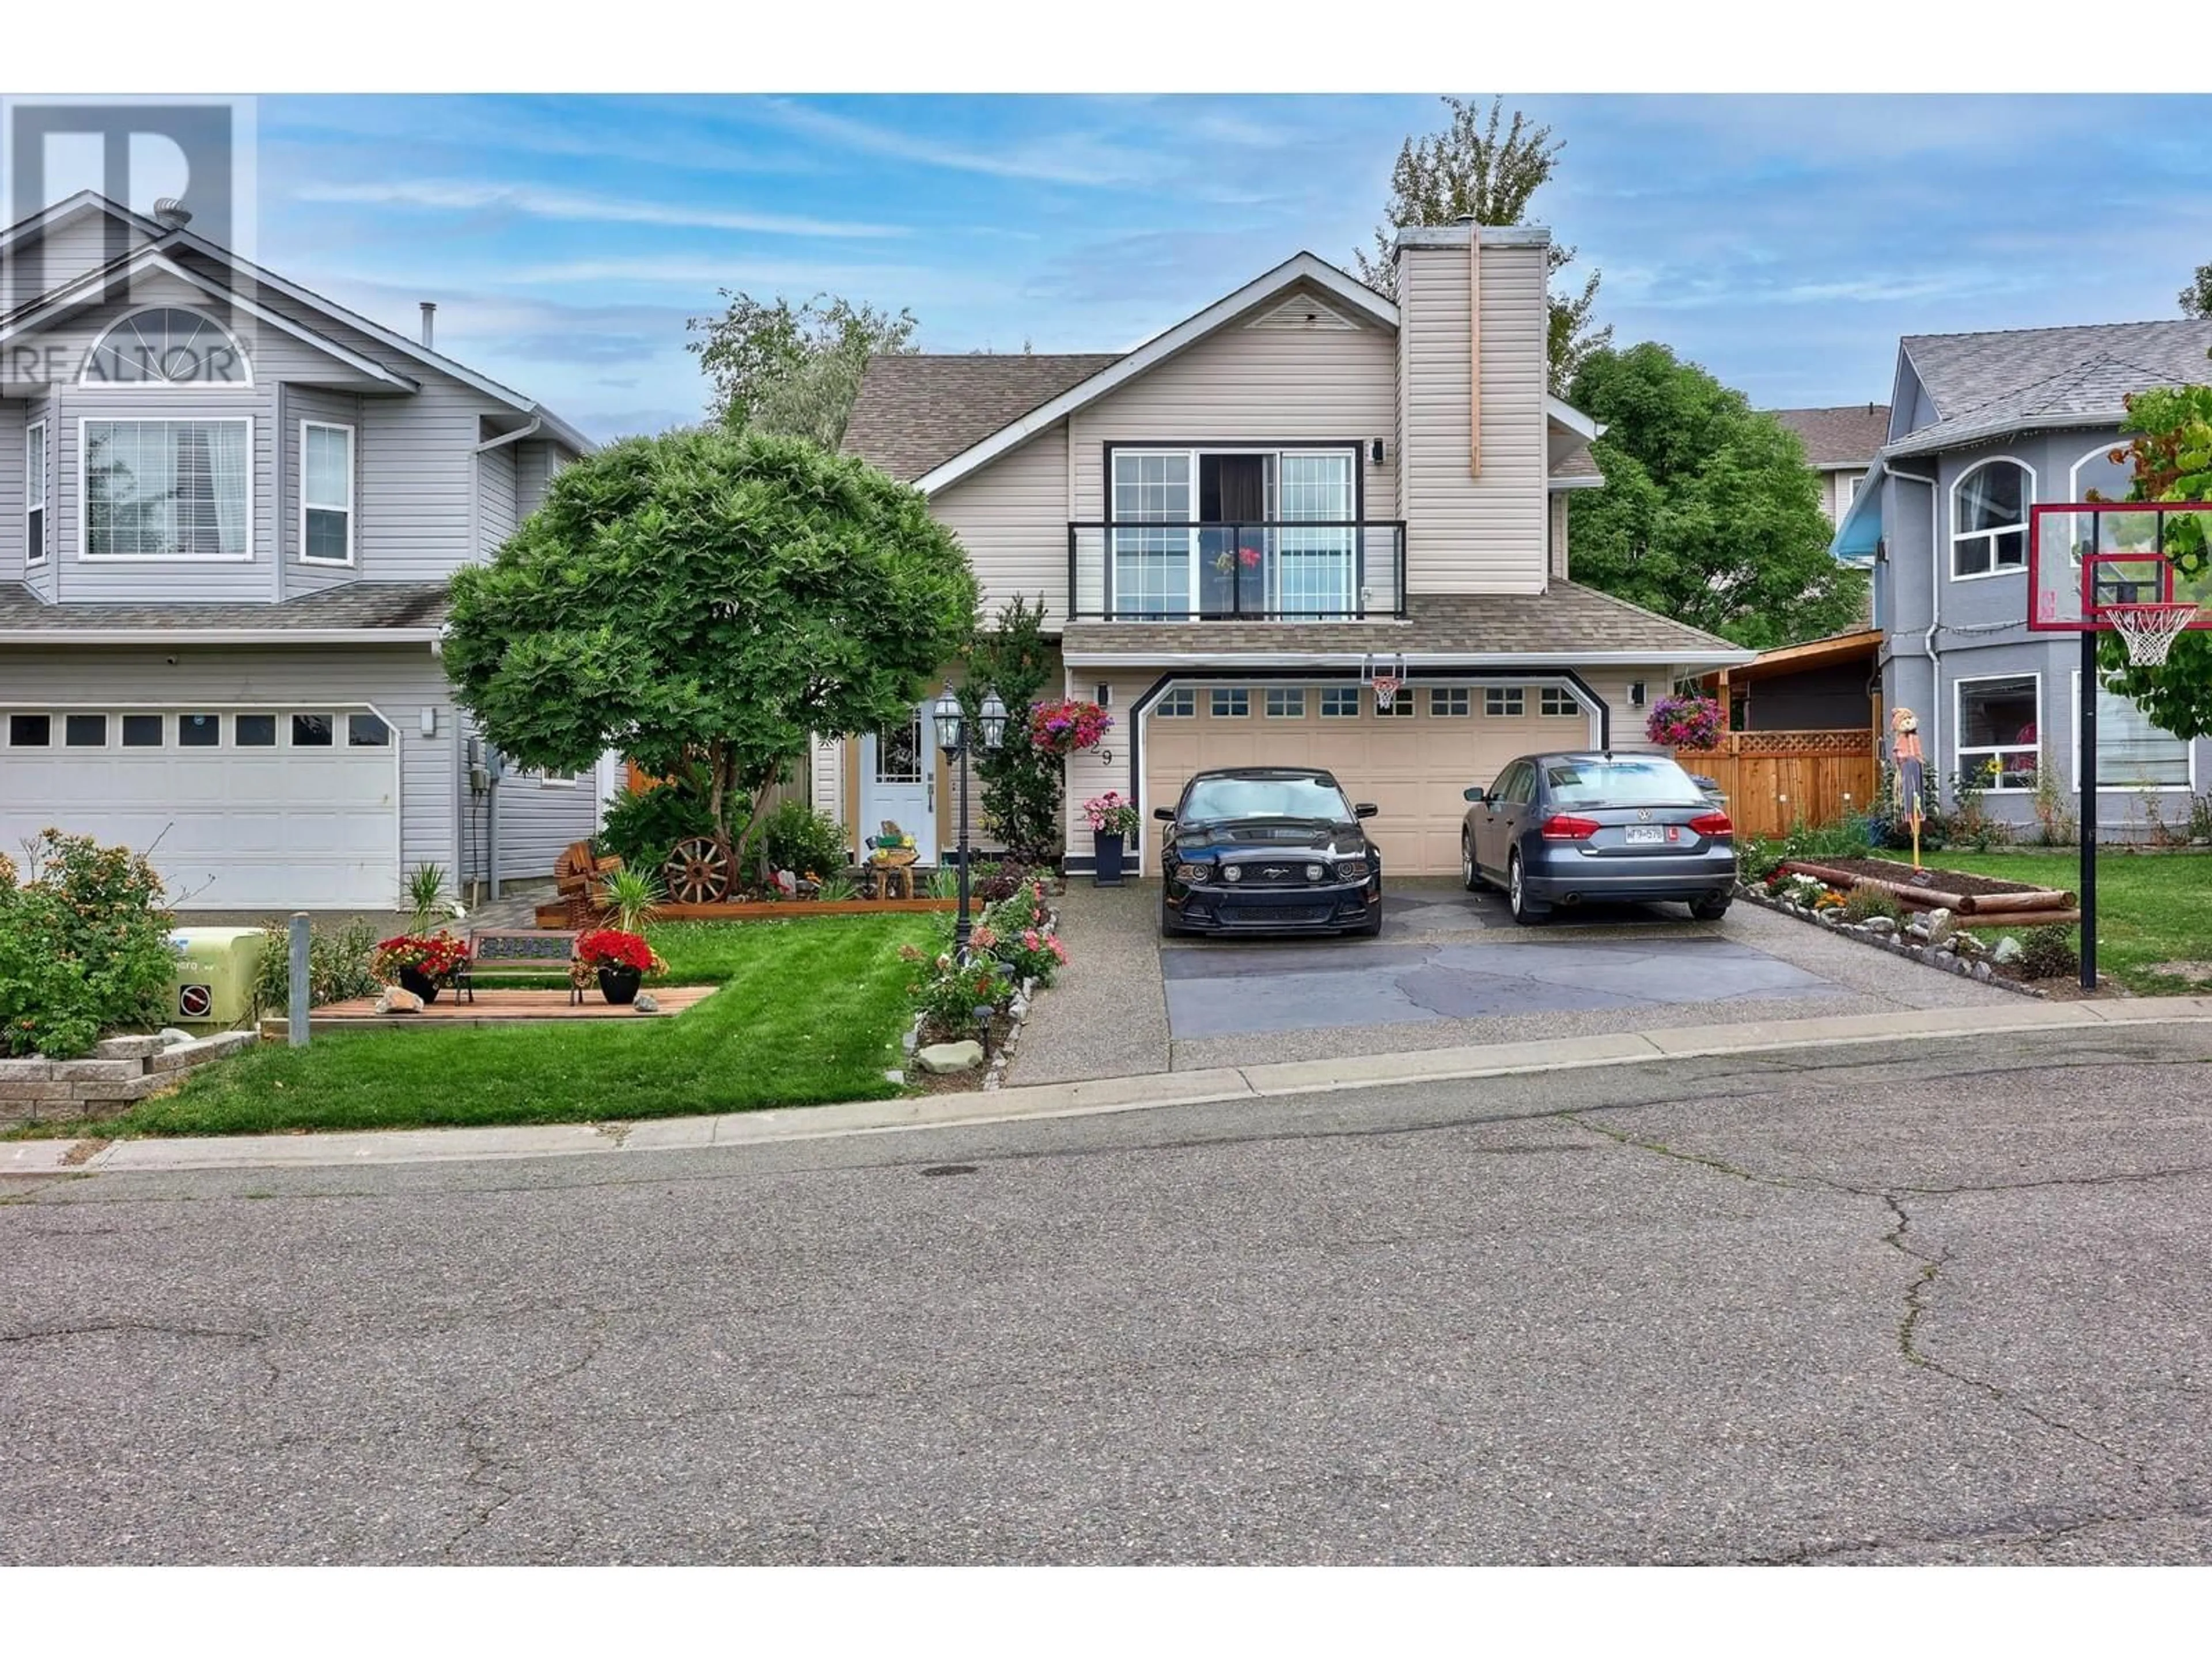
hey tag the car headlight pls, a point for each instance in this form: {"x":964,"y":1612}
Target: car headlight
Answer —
{"x":1196,"y":874}
{"x":1232,"y":872}
{"x":1352,"y":869}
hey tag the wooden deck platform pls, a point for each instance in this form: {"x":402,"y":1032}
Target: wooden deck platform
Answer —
{"x":506,"y":1006}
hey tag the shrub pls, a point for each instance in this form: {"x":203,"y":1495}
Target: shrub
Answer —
{"x":643,"y":826}
{"x":948,"y":993}
{"x":1758,"y":857}
{"x":2048,"y":953}
{"x":1864,"y":903}
{"x":338,"y":966}
{"x":803,"y":841}
{"x":1844,"y":839}
{"x":84,"y":947}
{"x":2054,"y":810}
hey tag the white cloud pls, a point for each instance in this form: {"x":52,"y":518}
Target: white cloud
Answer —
{"x":1062,"y":159}
{"x":466,"y":195}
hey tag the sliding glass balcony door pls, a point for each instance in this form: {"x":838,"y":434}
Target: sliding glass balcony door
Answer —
{"x":1234,"y":533}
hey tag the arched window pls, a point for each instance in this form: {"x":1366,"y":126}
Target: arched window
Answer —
{"x":168,"y":345}
{"x":1989,"y":519}
{"x":2098,"y":473}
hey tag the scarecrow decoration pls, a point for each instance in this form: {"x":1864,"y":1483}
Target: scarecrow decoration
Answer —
{"x":1904,"y":750}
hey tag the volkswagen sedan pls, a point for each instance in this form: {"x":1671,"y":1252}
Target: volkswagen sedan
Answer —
{"x":1576,"y":829}
{"x":1268,"y":849}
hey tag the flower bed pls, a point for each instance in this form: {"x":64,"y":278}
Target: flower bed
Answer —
{"x":1933,"y":935}
{"x":1014,"y":950}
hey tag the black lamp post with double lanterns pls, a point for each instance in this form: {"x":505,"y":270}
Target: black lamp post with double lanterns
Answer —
{"x":954,"y":738}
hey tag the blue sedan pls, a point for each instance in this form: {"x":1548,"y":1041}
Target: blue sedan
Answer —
{"x":1567,"y":830}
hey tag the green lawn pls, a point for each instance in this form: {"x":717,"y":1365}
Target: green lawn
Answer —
{"x":810,"y":1011}
{"x":2150,"y":906}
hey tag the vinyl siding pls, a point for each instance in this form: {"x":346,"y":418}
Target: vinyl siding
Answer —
{"x":535,"y":463}
{"x":495,"y":499}
{"x":537,"y":822}
{"x":400,"y":682}
{"x":62,"y":254}
{"x":1558,"y":534}
{"x":1468,"y":534}
{"x":1012,"y":517}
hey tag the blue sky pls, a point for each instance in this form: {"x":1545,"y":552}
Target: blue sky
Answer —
{"x":1784,"y":242}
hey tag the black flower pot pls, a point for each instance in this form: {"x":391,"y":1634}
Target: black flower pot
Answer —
{"x":619,"y":985}
{"x":1106,"y":848}
{"x":415,"y":979}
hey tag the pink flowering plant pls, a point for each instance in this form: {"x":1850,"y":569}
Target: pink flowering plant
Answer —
{"x":1685,"y":722}
{"x":1112,"y":814}
{"x":1068,"y":726}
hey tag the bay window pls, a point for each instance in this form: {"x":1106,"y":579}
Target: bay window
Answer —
{"x":167,"y":490}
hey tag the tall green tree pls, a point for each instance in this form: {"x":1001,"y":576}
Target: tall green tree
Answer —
{"x":1472,"y":168}
{"x":790,"y":369}
{"x":1022,"y":784}
{"x":1709,"y":513}
{"x":703,"y":602}
{"x":2170,"y":451}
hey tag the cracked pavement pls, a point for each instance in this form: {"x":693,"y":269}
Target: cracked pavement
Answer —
{"x":1912,"y":1303}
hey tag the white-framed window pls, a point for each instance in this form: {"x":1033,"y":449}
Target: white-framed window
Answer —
{"x":1403,"y":707}
{"x":1180,"y":704}
{"x":1286,"y":702}
{"x":325,"y":493}
{"x":1450,"y":702}
{"x":1230,"y":703}
{"x":35,"y":493}
{"x":1999,"y":729}
{"x":1557,"y":701}
{"x":84,"y":731}
{"x":1848,"y":493}
{"x":167,"y":346}
{"x":556,"y":779}
{"x":1504,"y":700}
{"x":2131,"y":752}
{"x":30,"y":730}
{"x":1989,"y":519}
{"x":142,"y":731}
{"x":1340,"y":702}
{"x":199,"y":731}
{"x":166,"y":489}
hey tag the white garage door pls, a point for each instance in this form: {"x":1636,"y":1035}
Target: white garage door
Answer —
{"x":239,"y":809}
{"x":1413,"y":763}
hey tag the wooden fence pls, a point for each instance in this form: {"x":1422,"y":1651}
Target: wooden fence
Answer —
{"x":1774,"y":778}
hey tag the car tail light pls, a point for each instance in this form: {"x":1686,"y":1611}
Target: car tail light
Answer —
{"x":1564,"y":826}
{"x":1715,"y":826}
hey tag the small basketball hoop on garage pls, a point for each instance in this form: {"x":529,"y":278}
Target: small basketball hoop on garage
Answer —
{"x":1386,"y":677}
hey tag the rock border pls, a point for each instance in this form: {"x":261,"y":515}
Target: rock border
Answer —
{"x":1002,"y":1049}
{"x":1923,"y":947}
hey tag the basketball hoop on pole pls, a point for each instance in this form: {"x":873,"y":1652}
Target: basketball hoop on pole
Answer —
{"x":1386,"y":677}
{"x":2150,"y":630}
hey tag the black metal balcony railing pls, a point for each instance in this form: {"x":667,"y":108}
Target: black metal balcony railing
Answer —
{"x":1280,"y":570}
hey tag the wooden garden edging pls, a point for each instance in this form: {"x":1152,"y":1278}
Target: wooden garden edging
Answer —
{"x":2028,"y":907}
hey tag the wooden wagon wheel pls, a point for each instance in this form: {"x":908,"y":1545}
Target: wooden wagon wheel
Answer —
{"x":698,"y":870}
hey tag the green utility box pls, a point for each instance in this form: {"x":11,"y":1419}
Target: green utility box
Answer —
{"x":213,"y":981}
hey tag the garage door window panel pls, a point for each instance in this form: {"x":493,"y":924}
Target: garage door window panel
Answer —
{"x":141,"y":730}
{"x":199,"y":731}
{"x":1340,"y":703}
{"x":1558,"y":704}
{"x":167,"y":490}
{"x":1180,"y":705}
{"x":1286,"y":702}
{"x":1505,"y":702}
{"x":85,"y":731}
{"x":30,"y":730}
{"x":1231,"y":703}
{"x":312,"y":731}
{"x":254,"y":731}
{"x":368,"y":731}
{"x":1450,"y":702}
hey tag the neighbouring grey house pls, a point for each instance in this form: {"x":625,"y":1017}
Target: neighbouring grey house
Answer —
{"x":1983,"y":427}
{"x":229,"y":508}
{"x":1840,"y":444}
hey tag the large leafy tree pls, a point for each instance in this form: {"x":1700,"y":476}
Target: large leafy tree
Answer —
{"x":2196,"y":298}
{"x":793,"y":369}
{"x":702,"y":602}
{"x":1708,"y":512}
{"x":1472,"y":168}
{"x":1022,"y":784}
{"x":2170,"y":451}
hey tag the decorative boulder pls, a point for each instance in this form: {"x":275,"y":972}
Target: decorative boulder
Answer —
{"x":398,"y":1000}
{"x":1881,"y":927}
{"x":2007,"y":949}
{"x":172,"y":1037}
{"x":942,"y":1059}
{"x":645,"y":1003}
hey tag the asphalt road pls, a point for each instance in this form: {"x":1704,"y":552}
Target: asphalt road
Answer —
{"x":1945,"y":1304}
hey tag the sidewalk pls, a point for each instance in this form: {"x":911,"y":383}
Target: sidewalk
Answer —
{"x":1082,"y":1099}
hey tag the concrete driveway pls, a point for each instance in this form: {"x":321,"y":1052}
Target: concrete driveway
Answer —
{"x":1452,"y":968}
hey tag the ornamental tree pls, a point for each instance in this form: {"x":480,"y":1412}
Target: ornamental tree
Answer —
{"x":1021,"y":785}
{"x":703,"y":602}
{"x":2170,"y":451}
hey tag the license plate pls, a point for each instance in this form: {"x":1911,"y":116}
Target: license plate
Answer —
{"x":1646,"y":835}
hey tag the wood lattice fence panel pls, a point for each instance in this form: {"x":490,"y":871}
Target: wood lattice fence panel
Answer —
{"x":1774,"y":778}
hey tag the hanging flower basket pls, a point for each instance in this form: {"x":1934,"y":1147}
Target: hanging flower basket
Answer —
{"x":1685,"y":722}
{"x":1068,"y":726}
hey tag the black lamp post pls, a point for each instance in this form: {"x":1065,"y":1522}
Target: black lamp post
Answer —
{"x":953,"y":738}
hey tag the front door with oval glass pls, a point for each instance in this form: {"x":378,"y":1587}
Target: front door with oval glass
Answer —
{"x":898,"y":782}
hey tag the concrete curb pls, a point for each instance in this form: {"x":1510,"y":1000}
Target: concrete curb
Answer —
{"x":1084,"y":1099}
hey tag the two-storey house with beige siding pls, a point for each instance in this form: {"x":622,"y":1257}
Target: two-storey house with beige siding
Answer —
{"x":228,"y":509}
{"x":1238,"y":527}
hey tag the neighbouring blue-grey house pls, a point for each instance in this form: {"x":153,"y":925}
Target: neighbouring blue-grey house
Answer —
{"x":228,"y":509}
{"x":1983,"y":428}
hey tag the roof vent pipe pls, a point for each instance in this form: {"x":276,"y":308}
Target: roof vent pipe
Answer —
{"x":429,"y":323}
{"x":172,"y":212}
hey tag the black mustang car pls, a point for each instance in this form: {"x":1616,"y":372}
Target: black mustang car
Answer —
{"x":1268,"y":849}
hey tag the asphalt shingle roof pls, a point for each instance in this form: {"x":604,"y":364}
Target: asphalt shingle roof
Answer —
{"x":1568,"y":618}
{"x":1848,"y":435}
{"x":1984,"y":386}
{"x":351,"y":605}
{"x":917,"y":410}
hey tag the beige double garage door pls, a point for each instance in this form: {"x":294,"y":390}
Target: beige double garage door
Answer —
{"x":1413,"y":763}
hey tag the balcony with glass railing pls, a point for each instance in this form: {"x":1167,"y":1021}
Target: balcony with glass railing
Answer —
{"x":1277,"y":570}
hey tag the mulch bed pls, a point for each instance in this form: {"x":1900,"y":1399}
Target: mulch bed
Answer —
{"x":1946,"y":881}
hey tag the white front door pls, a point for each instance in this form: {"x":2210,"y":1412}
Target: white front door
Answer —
{"x":898,"y":782}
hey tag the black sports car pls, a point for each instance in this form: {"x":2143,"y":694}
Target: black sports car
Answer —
{"x":1268,"y":849}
